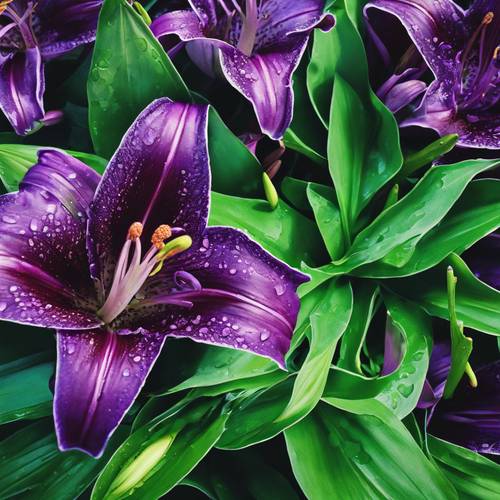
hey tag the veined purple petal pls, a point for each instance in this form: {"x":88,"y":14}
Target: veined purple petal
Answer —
{"x":266,"y":81}
{"x":240,"y":296}
{"x":22,"y":85}
{"x":403,"y":94}
{"x":472,"y":417}
{"x":44,"y":277}
{"x":436,"y":27}
{"x":439,"y":112}
{"x":159,"y":175}
{"x":99,"y":375}
{"x":278,"y":19}
{"x":183,"y":23}
{"x":65,"y":24}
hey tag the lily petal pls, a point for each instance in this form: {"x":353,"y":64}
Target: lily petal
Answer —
{"x":183,"y":23}
{"x":436,"y":27}
{"x":99,"y":375}
{"x":65,"y":24}
{"x":42,"y":249}
{"x":403,"y":94}
{"x":22,"y":84}
{"x":438,"y":111}
{"x":472,"y":417}
{"x":233,"y":293}
{"x":266,"y":81}
{"x":158,"y":175}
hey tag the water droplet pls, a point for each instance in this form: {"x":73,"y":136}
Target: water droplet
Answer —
{"x":225,"y":332}
{"x":70,"y":348}
{"x":13,"y":288}
{"x":72,"y":176}
{"x":279,"y":289}
{"x":405,"y":389}
{"x":3,"y":306}
{"x":137,"y":359}
{"x":232,"y":271}
{"x":264,"y":336}
{"x":8,"y":219}
{"x":34,"y":225}
{"x":126,"y":372}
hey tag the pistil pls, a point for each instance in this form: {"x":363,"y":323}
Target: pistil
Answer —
{"x":250,"y":22}
{"x":129,"y":277}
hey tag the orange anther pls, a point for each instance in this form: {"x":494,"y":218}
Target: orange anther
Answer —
{"x":161,"y":233}
{"x":488,"y":17}
{"x":135,"y":231}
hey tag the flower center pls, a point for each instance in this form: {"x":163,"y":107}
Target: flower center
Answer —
{"x":24,"y":23}
{"x":131,"y":272}
{"x":478,"y":66}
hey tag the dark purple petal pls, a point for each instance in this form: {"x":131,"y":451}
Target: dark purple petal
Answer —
{"x":44,"y":278}
{"x":266,"y":81}
{"x":393,"y":348}
{"x":472,"y":417}
{"x":239,"y":296}
{"x":158,"y":175}
{"x":439,"y":112}
{"x":436,"y":27}
{"x":403,"y":94}
{"x":22,"y":85}
{"x":183,"y":23}
{"x":483,"y":259}
{"x":99,"y":375}
{"x":65,"y":24}
{"x":278,"y":19}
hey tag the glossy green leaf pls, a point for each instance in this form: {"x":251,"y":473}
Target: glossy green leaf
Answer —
{"x":32,"y":466}
{"x":414,"y":215}
{"x":473,"y":475}
{"x":474,"y":215}
{"x":326,"y":212}
{"x":284,"y":232}
{"x":295,"y":192}
{"x":235,"y":170}
{"x":399,"y":391}
{"x":363,"y":452}
{"x":365,"y":295}
{"x":154,"y":458}
{"x":129,"y":70}
{"x":477,"y":304}
{"x":24,"y":388}
{"x":16,"y":159}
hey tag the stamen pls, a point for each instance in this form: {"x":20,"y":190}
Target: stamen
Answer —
{"x":135,"y":231}
{"x":161,"y":234}
{"x":3,"y":5}
{"x":249,"y":28}
{"x":131,"y":273}
{"x":488,"y":18}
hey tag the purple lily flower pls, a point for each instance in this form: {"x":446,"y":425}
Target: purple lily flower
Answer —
{"x":472,"y":417}
{"x":32,"y":32}
{"x":255,"y":45}
{"x":72,"y":258}
{"x":462,"y":50}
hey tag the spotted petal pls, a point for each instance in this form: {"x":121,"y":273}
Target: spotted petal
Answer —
{"x":472,"y":417}
{"x":99,"y":375}
{"x":266,"y":81}
{"x":44,"y":278}
{"x":227,"y":292}
{"x":22,"y":85}
{"x":158,"y":175}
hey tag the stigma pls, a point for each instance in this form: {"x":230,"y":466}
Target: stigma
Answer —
{"x":133,"y":269}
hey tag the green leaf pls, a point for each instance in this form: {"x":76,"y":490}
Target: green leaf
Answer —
{"x":32,"y":466}
{"x":219,"y":365}
{"x":461,"y":346}
{"x":24,"y":388}
{"x":242,"y":474}
{"x":129,"y":70}
{"x":364,"y":452}
{"x":472,"y":475}
{"x":235,"y":170}
{"x":399,"y":391}
{"x":412,"y":216}
{"x":477,"y":304}
{"x":326,"y":212}
{"x":154,"y":458}
{"x":295,"y":191}
{"x":365,"y":295}
{"x":16,"y":159}
{"x":284,"y":232}
{"x":474,"y":215}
